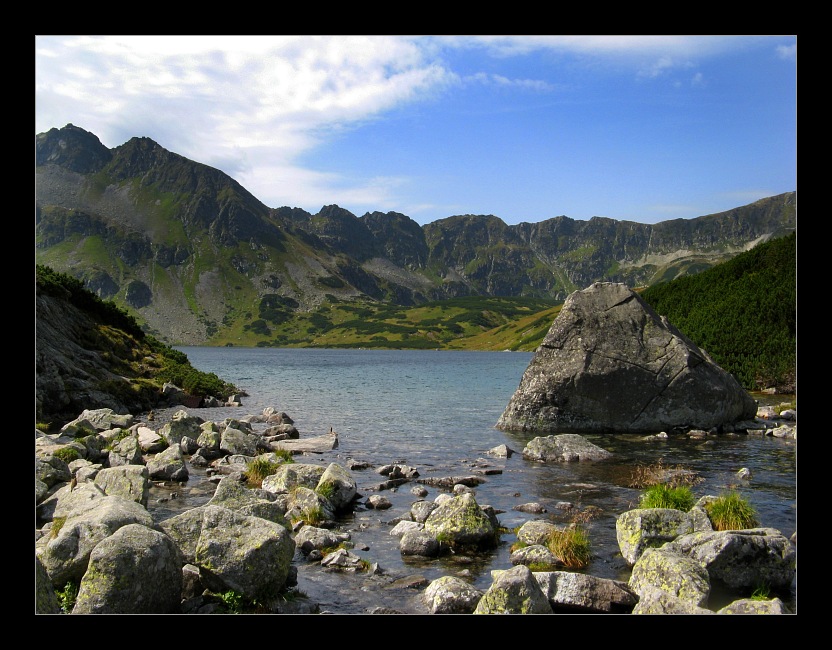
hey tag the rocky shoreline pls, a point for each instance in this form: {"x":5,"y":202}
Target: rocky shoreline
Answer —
{"x":92,"y":513}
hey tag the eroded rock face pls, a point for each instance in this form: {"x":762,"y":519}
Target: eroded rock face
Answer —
{"x":611,"y":364}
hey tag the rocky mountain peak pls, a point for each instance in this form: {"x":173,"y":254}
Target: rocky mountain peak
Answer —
{"x":73,"y":148}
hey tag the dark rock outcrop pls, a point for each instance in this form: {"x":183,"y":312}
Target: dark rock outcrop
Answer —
{"x":609,"y":363}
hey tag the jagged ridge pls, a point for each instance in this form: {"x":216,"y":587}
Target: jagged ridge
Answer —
{"x":197,"y":258}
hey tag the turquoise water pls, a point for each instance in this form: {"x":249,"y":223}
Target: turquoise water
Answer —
{"x":419,"y":405}
{"x":436,"y":411}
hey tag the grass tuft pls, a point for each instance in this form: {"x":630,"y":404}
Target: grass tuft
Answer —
{"x":666,"y":496}
{"x":731,"y":511}
{"x":571,"y":547}
{"x":258,"y":469}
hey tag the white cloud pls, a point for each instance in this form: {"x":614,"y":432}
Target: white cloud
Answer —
{"x":270,"y":99}
{"x":787,"y":52}
{"x":253,"y":106}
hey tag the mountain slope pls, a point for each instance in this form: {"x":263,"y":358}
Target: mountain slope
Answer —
{"x":743,"y":312}
{"x":198,"y":260}
{"x":91,"y":355}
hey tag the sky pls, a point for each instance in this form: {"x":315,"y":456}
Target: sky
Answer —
{"x":526,"y":128}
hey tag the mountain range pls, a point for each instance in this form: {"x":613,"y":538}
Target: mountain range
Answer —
{"x":198,"y":260}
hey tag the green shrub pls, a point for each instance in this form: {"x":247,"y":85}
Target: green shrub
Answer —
{"x":743,"y":312}
{"x":67,"y":454}
{"x":233,"y":602}
{"x":67,"y":597}
{"x":663,"y":495}
{"x":731,"y":511}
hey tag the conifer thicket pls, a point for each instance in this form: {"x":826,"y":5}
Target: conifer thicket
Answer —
{"x":742,"y":312}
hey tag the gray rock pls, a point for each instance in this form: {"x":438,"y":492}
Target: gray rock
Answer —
{"x":378,"y":502}
{"x":657,"y":601}
{"x":338,"y":486}
{"x":126,"y":451}
{"x":742,"y":559}
{"x":459,"y":521}
{"x":537,"y":531}
{"x":672,"y":572}
{"x":136,"y":570}
{"x":249,"y":555}
{"x":749,"y":606}
{"x":514,"y":591}
{"x":568,"y":591}
{"x":452,"y":595}
{"x":97,"y":420}
{"x":127,"y":481}
{"x":643,"y":528}
{"x":310,"y":538}
{"x":566,"y":447}
{"x":65,"y":556}
{"x":420,"y":510}
{"x":609,"y":363}
{"x":232,"y":494}
{"x":420,"y":543}
{"x":290,"y":475}
{"x":236,"y":441}
{"x":168,"y":465}
{"x":46,"y":601}
{"x":536,"y":554}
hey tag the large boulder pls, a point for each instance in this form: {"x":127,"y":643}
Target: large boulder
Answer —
{"x":90,"y":519}
{"x":742,"y":559}
{"x":609,"y":363}
{"x":460,"y":522}
{"x":246,"y":554}
{"x":514,"y":591}
{"x":136,"y":570}
{"x":568,"y":591}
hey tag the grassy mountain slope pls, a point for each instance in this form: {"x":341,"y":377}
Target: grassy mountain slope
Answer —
{"x":90,"y":354}
{"x":198,"y":260}
{"x":473,"y":322}
{"x":742,"y":312}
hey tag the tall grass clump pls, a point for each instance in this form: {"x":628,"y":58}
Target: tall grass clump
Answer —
{"x":258,"y":469}
{"x":665,"y":487}
{"x":571,"y":547}
{"x":663,"y":495}
{"x":284,"y":455}
{"x":731,"y":511}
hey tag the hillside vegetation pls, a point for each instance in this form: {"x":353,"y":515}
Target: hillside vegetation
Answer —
{"x":743,"y":312}
{"x":89,"y":352}
{"x":469,"y":323}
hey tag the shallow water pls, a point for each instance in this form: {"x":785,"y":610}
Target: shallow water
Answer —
{"x":436,"y":411}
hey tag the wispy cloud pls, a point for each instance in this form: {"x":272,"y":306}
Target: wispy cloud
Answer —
{"x":787,"y":52}
{"x":261,"y":108}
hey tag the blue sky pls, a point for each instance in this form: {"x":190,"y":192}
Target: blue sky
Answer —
{"x":526,"y":128}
